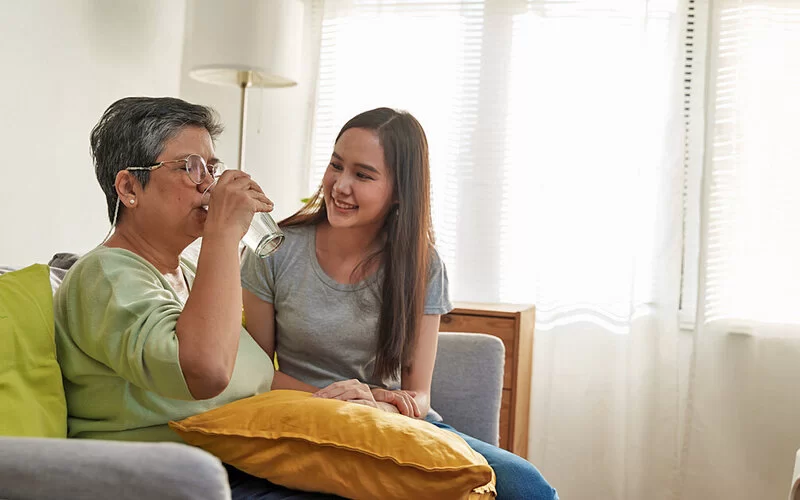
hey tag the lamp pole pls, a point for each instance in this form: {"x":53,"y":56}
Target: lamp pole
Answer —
{"x":245,"y":80}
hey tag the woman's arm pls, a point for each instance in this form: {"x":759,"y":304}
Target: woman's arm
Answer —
{"x":209,"y":326}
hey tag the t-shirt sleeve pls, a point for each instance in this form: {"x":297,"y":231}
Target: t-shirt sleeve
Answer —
{"x":437,"y":294}
{"x":258,"y":276}
{"x":120,"y":314}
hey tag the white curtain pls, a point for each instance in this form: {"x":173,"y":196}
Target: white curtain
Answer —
{"x":559,"y":178}
{"x":744,"y":411}
{"x":556,"y":150}
{"x":548,"y":123}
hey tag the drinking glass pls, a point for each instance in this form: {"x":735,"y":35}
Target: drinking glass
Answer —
{"x":263,"y":236}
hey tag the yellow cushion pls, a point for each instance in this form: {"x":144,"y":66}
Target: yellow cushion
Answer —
{"x":330,"y":446}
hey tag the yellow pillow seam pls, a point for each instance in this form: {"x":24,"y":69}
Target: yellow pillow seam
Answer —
{"x":301,"y":437}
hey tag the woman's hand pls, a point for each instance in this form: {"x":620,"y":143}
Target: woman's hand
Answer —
{"x":348,"y":390}
{"x":232,"y":203}
{"x":403,"y":400}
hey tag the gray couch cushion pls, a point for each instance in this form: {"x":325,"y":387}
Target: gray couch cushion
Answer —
{"x":63,"y":260}
{"x":40,"y":468}
{"x":59,"y":265}
{"x":467,"y":383}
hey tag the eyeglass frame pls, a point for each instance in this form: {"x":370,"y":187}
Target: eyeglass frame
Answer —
{"x":185,"y":161}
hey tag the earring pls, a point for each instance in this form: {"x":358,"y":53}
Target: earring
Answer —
{"x":133,"y":201}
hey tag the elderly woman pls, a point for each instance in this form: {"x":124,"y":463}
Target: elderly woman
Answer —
{"x":143,"y":336}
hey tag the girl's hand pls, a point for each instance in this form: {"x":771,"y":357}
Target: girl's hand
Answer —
{"x":403,"y":400}
{"x":348,"y":390}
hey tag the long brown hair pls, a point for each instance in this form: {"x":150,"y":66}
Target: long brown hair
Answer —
{"x":407,"y":230}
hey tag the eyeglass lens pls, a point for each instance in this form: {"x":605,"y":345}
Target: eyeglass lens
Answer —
{"x":197,"y":168}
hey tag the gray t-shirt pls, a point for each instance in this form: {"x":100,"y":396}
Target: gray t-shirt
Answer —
{"x":326,"y":331}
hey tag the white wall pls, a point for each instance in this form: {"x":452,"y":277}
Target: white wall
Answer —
{"x":277,"y":128}
{"x":64,"y":63}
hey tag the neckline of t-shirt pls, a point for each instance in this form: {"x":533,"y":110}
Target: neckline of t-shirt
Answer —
{"x":185,"y":265}
{"x":327,"y":280}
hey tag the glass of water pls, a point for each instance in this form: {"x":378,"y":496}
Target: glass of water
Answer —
{"x":263,"y":236}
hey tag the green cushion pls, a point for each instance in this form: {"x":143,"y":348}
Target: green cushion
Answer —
{"x":31,"y":391}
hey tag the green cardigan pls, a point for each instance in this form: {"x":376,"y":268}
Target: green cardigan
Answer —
{"x":115,"y":318}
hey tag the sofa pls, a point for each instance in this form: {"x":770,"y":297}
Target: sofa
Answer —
{"x":794,"y":491}
{"x":466,"y":391}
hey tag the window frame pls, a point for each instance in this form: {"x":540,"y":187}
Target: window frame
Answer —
{"x":696,"y":47}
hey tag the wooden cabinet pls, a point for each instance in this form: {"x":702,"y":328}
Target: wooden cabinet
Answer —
{"x":513,"y":324}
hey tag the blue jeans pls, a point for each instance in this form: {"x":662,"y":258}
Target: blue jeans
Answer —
{"x":517,"y":479}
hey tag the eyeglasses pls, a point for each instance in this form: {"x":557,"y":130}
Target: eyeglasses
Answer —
{"x":195,"y":166}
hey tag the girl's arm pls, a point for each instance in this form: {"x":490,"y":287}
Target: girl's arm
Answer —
{"x":417,"y":378}
{"x":260,"y":323}
{"x":283,"y":381}
{"x":259,"y":317}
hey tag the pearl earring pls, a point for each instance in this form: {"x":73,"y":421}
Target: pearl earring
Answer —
{"x":132,"y":201}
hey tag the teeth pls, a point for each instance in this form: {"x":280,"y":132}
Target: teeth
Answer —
{"x":341,"y":204}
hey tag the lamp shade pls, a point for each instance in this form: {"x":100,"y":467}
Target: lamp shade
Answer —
{"x":257,"y":42}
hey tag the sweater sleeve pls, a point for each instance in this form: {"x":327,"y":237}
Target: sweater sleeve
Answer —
{"x":122,"y":313}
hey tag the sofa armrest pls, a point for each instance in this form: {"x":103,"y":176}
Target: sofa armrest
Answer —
{"x":794,"y":492}
{"x":467,"y":384}
{"x":42,"y":468}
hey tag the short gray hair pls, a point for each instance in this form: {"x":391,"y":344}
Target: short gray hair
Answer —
{"x":133,"y":132}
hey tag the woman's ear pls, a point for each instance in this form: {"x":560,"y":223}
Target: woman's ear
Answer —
{"x":128,"y":188}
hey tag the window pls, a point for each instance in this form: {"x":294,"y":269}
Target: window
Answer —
{"x":555,"y":131}
{"x":750,"y":222}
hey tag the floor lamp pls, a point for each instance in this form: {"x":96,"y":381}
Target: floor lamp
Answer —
{"x":246,"y":43}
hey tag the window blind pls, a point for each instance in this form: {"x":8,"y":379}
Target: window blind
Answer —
{"x":752,"y":229}
{"x":546,"y":122}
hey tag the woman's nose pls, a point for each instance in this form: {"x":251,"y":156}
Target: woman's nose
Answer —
{"x":206,"y":181}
